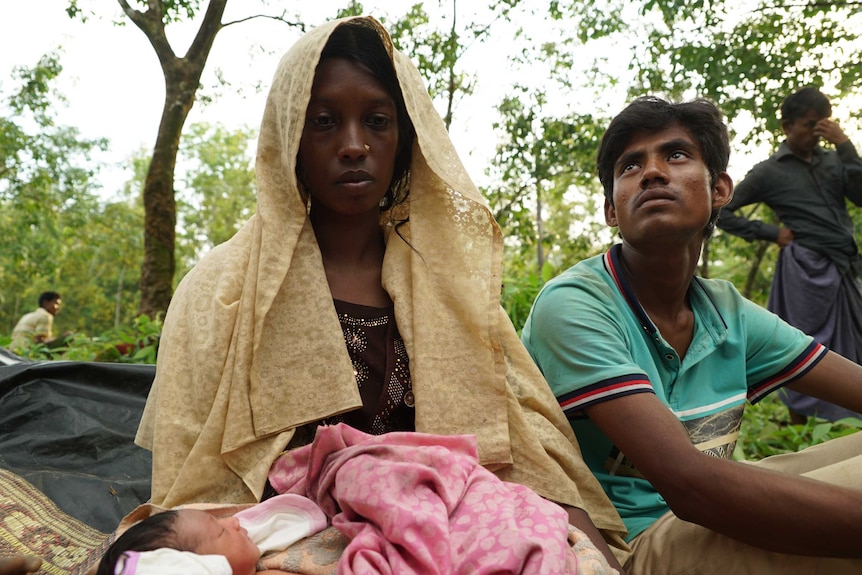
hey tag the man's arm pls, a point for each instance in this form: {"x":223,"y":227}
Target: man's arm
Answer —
{"x":748,"y":192}
{"x":764,"y":508}
{"x":835,"y":379}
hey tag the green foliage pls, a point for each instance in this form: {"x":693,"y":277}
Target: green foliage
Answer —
{"x":219,"y":189}
{"x":545,"y":194}
{"x":54,"y":231}
{"x":746,"y":57}
{"x":137,"y":343}
{"x":766,"y":430}
{"x":519,"y":292}
{"x":57,"y":233}
{"x":174,"y":10}
{"x":436,"y":54}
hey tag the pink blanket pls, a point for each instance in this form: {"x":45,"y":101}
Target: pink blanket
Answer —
{"x":420,"y":503}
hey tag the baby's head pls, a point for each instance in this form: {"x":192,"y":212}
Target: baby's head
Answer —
{"x":186,"y":530}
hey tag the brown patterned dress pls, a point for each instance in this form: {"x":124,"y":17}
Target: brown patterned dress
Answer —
{"x":381,"y":367}
{"x":382,"y":371}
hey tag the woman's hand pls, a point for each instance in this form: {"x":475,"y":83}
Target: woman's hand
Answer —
{"x":580,"y":519}
{"x":19,"y":565}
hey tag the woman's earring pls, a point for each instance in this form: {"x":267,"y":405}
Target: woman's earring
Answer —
{"x":386,"y":201}
{"x":304,"y":195}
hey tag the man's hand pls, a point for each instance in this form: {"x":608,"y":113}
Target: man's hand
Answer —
{"x":785,"y":237}
{"x":830,"y":131}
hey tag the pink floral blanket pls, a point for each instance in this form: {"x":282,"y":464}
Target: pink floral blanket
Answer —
{"x":420,"y":503}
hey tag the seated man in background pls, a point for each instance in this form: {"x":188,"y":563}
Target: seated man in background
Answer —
{"x":653,"y":367}
{"x":37,"y":326}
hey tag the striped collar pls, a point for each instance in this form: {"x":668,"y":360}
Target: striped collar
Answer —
{"x":614,"y":266}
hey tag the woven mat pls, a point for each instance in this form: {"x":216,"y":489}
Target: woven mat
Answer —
{"x":32,"y":524}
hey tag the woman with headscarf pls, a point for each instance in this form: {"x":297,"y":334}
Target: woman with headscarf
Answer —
{"x":366,"y":289}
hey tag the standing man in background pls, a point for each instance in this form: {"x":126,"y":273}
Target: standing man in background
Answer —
{"x":37,"y":326}
{"x":816,"y":286}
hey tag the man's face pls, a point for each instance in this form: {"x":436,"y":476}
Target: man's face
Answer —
{"x":53,"y":306}
{"x":662,"y":187}
{"x":800,"y":133}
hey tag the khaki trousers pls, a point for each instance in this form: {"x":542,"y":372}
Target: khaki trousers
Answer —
{"x":671,"y":546}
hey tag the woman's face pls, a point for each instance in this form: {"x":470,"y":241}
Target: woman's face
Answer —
{"x":349,"y":142}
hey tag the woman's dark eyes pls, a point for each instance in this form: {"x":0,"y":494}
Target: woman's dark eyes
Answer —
{"x":378,"y":121}
{"x":322,"y":120}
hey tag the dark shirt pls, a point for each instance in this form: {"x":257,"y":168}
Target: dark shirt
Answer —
{"x":382,"y":370}
{"x":808,"y":198}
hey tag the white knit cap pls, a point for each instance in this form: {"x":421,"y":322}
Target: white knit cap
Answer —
{"x":171,"y":562}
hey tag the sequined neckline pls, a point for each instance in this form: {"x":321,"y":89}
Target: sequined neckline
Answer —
{"x":367,"y":309}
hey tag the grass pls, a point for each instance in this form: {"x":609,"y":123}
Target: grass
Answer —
{"x":766,"y":430}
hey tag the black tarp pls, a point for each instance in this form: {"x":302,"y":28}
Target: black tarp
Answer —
{"x":68,"y":428}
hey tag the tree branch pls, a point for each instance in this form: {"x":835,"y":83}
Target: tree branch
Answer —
{"x":503,"y":210}
{"x":153,"y":27}
{"x":300,"y":25}
{"x":210,"y":26}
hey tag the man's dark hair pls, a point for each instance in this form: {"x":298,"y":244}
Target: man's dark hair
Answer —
{"x":47,"y":296}
{"x":155,"y":532}
{"x":647,"y":114}
{"x":797,"y":104}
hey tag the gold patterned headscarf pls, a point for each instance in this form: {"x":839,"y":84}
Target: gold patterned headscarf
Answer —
{"x":252,"y":346}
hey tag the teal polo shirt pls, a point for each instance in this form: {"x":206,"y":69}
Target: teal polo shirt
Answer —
{"x":594,"y":342}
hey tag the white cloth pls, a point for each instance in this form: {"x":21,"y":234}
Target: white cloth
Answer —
{"x":279,"y":522}
{"x":171,"y":562}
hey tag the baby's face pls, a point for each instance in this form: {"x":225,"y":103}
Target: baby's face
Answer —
{"x":220,"y":536}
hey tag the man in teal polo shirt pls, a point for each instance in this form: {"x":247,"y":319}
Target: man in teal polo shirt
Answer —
{"x":653,"y":367}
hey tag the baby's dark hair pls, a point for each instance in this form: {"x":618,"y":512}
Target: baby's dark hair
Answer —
{"x":155,"y":532}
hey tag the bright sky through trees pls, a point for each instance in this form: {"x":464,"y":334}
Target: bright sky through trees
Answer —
{"x":114,"y":89}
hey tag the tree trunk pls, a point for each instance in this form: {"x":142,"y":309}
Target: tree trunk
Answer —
{"x":118,"y":303}
{"x":182,"y":77}
{"x":759,"y":253}
{"x":160,"y":209}
{"x":540,"y":231}
{"x":705,"y":255}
